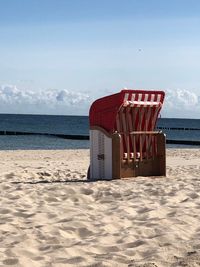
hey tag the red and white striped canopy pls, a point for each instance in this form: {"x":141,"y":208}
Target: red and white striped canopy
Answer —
{"x":128,"y":110}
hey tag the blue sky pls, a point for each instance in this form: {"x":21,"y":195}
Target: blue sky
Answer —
{"x":55,"y":51}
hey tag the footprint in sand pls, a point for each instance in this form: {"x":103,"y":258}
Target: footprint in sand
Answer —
{"x":5,"y":211}
{"x":23,"y":214}
{"x":144,"y":210}
{"x":86,"y":191}
{"x":171,"y":214}
{"x":193,"y":195}
{"x":11,"y":261}
{"x":72,"y":261}
{"x":134,"y":244}
{"x":84,"y":232}
{"x":43,"y":174}
{"x":10,"y":175}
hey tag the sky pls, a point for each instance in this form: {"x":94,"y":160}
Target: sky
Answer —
{"x":58,"y":56}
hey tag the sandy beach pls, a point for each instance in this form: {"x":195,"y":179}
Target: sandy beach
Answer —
{"x":51,"y":216}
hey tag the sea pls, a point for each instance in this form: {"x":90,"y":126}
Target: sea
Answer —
{"x":175,"y":129}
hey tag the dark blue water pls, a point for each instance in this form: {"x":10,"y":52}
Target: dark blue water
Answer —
{"x":77,"y":125}
{"x":42,"y":124}
{"x":193,"y":135}
{"x":45,"y":124}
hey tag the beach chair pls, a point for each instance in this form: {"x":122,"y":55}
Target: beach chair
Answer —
{"x":123,"y":140}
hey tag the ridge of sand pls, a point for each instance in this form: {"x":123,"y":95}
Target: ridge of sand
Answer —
{"x":51,"y":216}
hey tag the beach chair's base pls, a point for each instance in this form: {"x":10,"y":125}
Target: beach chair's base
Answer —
{"x":144,"y":168}
{"x":154,"y":165}
{"x":107,"y":159}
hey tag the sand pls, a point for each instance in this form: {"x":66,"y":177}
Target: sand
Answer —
{"x":51,"y":216}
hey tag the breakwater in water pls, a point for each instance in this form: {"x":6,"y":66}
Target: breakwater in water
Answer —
{"x":86,"y":137}
{"x":178,"y":129}
{"x":72,"y":132}
{"x":65,"y":136}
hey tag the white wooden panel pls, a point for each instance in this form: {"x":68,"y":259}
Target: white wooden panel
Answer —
{"x":108,"y":157}
{"x":94,"y":165}
{"x":100,"y":144}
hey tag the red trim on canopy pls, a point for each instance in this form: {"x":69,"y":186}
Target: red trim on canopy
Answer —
{"x":144,"y":105}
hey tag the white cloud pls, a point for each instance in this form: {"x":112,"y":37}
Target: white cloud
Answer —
{"x":178,"y":103}
{"x":51,"y":101}
{"x":181,"y":103}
